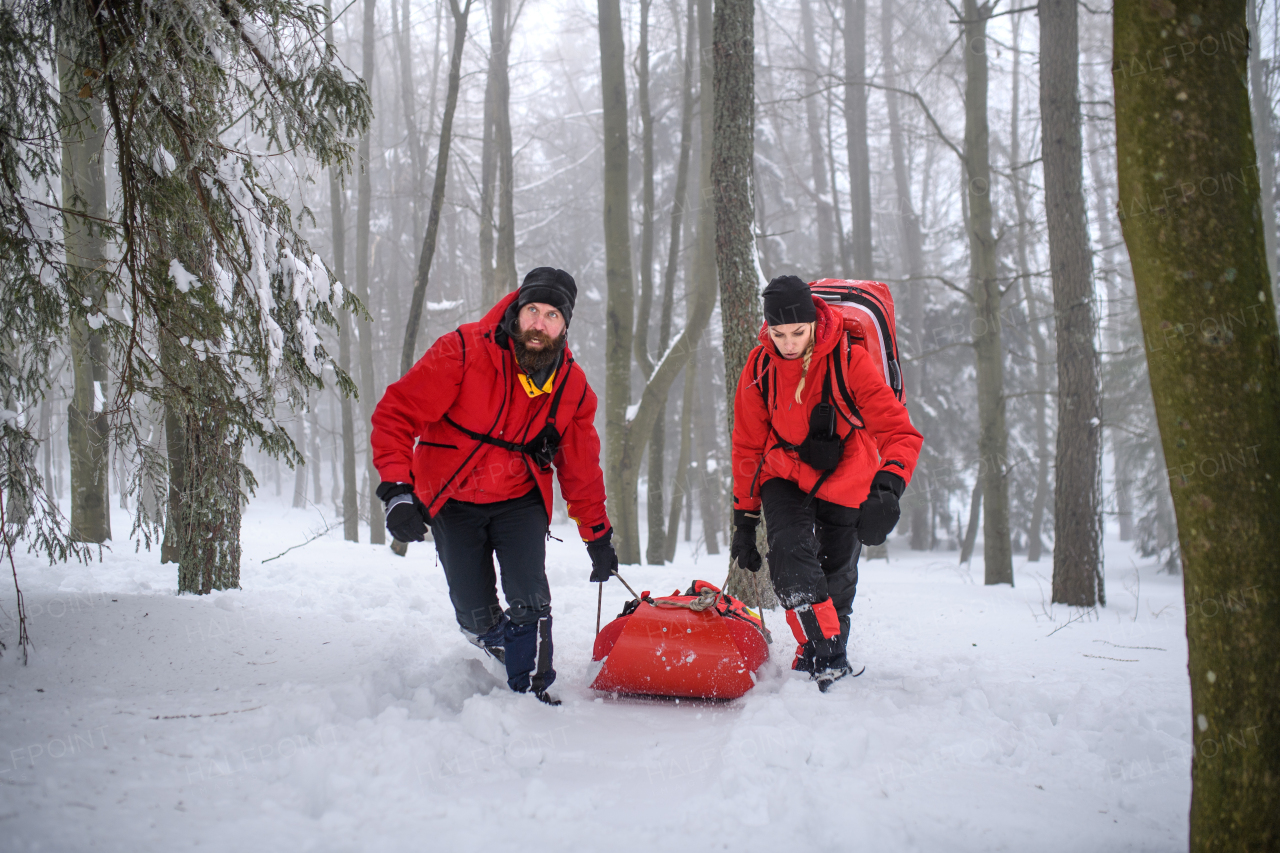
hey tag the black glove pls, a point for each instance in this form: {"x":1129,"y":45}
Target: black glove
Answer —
{"x":406,"y":516}
{"x":604,"y":560}
{"x":879,"y":512}
{"x":743,"y":549}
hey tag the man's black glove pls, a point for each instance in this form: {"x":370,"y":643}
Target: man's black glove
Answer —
{"x":743,"y":549}
{"x":879,"y":512}
{"x":604,"y":560}
{"x":406,"y":516}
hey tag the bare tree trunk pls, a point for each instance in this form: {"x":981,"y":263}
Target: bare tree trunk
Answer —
{"x":762,"y":232}
{"x":300,"y":470}
{"x":350,"y":486}
{"x":208,"y":540}
{"x":313,"y":448}
{"x":915,"y":293}
{"x":702,"y":270}
{"x":680,"y":488}
{"x":46,"y":442}
{"x":842,"y":243}
{"x":1040,"y":406}
{"x":657,"y":550}
{"x":1040,"y":412}
{"x":1077,"y":507}
{"x":1216,"y":393}
{"x":1263,"y":140}
{"x":505,"y":277}
{"x":404,"y":46}
{"x":710,"y":500}
{"x":705,"y":257}
{"x":435,"y":76}
{"x":84,"y":191}
{"x":176,"y":456}
{"x":627,"y":437}
{"x":350,"y":489}
{"x":428,"y":251}
{"x":640,"y":339}
{"x":364,"y":200}
{"x":489,"y":292}
{"x":1104,"y":214}
{"x":816,"y":154}
{"x":855,"y":122}
{"x":731,"y":169}
{"x":971,"y":532}
{"x":993,"y":434}
{"x":620,"y":313}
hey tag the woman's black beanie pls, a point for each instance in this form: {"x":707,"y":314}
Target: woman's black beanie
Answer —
{"x":787,"y":299}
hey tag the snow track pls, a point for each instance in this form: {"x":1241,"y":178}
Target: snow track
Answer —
{"x":333,"y":706}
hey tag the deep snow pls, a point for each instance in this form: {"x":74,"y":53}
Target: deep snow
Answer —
{"x":332,"y":705}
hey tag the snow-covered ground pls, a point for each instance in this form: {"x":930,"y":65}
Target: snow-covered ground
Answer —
{"x":333,"y":706}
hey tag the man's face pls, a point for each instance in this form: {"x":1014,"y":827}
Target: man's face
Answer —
{"x":543,"y":318}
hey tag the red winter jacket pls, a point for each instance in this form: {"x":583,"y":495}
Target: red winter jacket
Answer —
{"x":467,"y":376}
{"x":889,"y":442}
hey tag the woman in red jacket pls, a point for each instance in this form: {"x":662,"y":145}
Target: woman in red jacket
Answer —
{"x":827,"y":474}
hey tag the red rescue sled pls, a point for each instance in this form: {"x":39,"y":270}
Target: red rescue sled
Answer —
{"x":704,"y":644}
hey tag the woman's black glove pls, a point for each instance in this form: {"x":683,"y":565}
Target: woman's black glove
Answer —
{"x":879,"y":512}
{"x":604,"y":560}
{"x":406,"y":516}
{"x":743,"y":549}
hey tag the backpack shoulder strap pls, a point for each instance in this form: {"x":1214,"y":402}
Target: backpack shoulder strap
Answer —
{"x":555,"y":399}
{"x":762,"y":375}
{"x":838,"y":369}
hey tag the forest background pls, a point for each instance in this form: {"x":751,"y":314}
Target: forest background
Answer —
{"x":858,"y":170}
{"x":224,"y":228}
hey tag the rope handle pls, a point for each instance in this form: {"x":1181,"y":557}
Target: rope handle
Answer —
{"x":704,"y":601}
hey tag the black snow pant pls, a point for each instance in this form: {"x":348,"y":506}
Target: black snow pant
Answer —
{"x":813,"y":550}
{"x":467,"y":536}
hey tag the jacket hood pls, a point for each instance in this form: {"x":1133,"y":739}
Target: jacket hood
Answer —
{"x":827,"y":331}
{"x":493,"y":317}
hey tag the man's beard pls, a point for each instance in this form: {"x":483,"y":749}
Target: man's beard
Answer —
{"x":532,"y":361}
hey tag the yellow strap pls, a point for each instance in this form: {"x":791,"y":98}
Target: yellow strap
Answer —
{"x":533,"y":390}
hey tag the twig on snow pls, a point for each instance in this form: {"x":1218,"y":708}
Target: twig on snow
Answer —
{"x":217,"y":714}
{"x":1116,"y":646}
{"x":327,"y":528}
{"x":1076,"y":618}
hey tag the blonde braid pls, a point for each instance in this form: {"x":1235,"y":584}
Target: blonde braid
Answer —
{"x":808,"y":355}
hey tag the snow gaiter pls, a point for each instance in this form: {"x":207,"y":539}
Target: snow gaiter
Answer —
{"x":528,"y":653}
{"x":818,"y":625}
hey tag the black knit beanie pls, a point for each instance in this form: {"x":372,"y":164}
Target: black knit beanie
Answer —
{"x":550,"y":286}
{"x":787,"y":300}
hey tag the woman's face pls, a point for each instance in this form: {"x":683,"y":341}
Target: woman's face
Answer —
{"x":791,"y":339}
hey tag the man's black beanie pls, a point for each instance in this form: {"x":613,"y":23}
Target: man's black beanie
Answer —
{"x":550,"y":286}
{"x":787,"y":300}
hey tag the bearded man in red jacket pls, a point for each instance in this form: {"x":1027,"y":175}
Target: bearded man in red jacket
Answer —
{"x":465,"y":442}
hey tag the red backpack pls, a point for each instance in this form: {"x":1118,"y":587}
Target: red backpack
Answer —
{"x":867,"y":309}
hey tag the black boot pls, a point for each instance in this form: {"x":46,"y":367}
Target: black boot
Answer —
{"x":491,"y":641}
{"x":828,"y":669}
